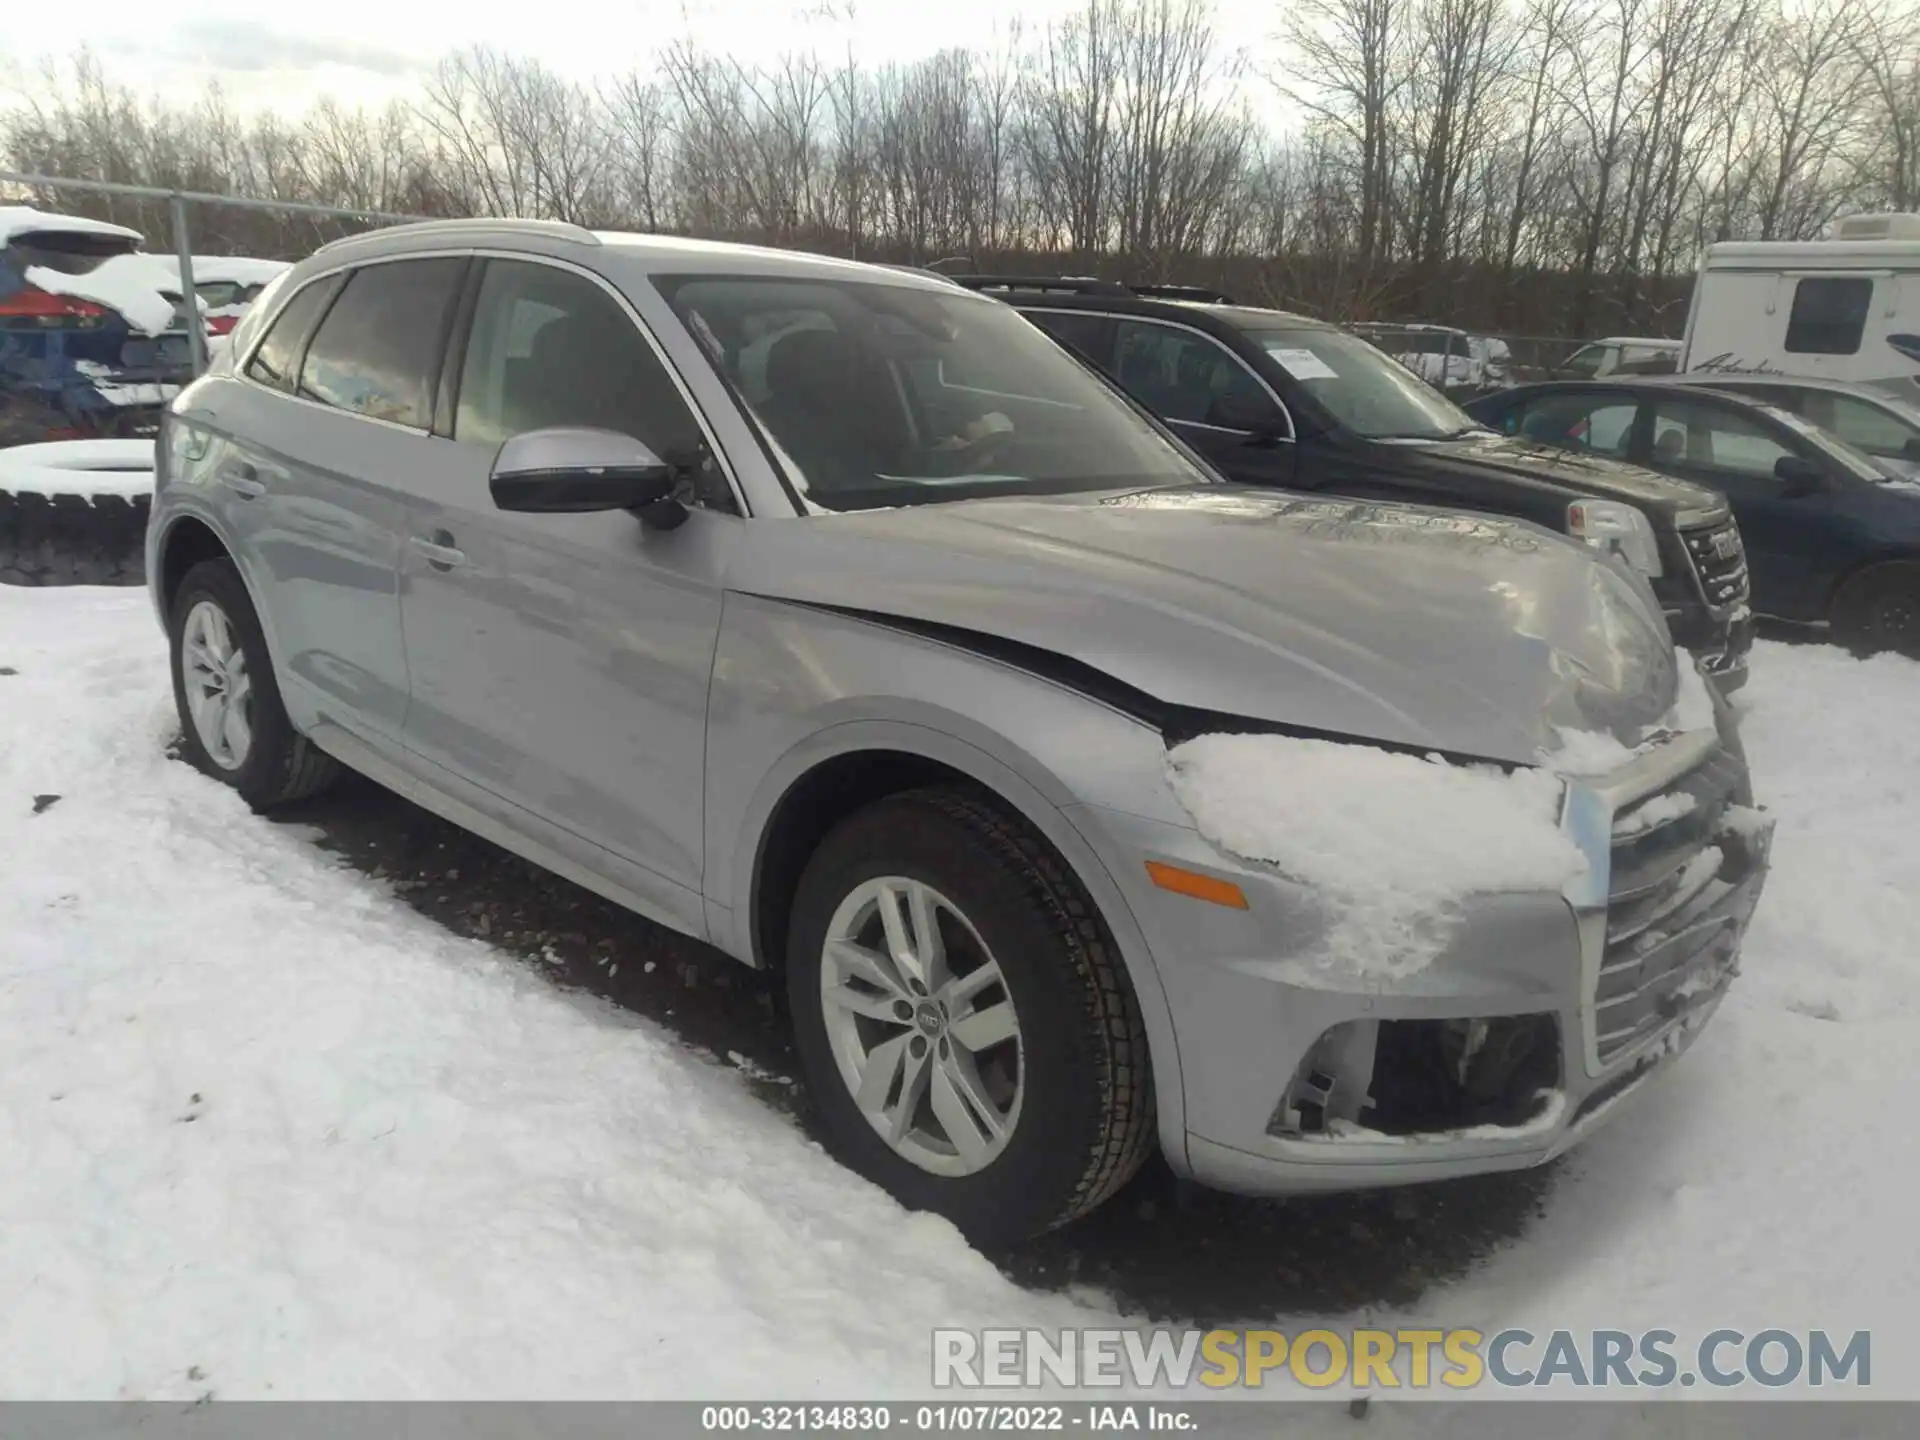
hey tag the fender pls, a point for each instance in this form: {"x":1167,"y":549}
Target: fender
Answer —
{"x":731,"y":928}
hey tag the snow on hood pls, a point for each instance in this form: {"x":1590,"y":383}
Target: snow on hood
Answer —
{"x":25,"y":220}
{"x":133,"y":285}
{"x":1393,"y":843}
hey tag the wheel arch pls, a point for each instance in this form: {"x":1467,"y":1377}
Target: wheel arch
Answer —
{"x":1873,"y":561}
{"x":845,"y":767}
{"x":186,"y":539}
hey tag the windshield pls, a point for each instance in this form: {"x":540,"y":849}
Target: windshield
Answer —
{"x":1362,"y":389}
{"x":877,"y":395}
{"x":1861,"y":465}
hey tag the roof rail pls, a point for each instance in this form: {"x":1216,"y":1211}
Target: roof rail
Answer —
{"x":482,"y":224}
{"x":1198,"y":293}
{"x":1043,"y":284}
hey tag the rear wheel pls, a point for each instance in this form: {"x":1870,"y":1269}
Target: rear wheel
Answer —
{"x":1879,"y":609}
{"x":233,"y":723}
{"x":964,"y":1024}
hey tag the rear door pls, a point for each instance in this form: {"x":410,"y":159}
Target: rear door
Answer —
{"x":334,"y":432}
{"x":559,"y":663}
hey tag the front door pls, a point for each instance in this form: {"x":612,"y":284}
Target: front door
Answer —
{"x":1209,"y":397}
{"x":561,"y":662}
{"x":1790,"y":549}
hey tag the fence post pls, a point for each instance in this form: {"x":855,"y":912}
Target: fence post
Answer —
{"x":189,"y":297}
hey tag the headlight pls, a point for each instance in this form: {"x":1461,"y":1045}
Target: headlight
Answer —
{"x":1617,"y":529}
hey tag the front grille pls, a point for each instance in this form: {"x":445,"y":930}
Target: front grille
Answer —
{"x":1719,"y":559}
{"x":1676,"y":856}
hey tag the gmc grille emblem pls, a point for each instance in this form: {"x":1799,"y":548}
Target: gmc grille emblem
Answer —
{"x":1725,"y":545}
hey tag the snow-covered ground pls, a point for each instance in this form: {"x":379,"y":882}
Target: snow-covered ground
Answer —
{"x":266,"y":1132}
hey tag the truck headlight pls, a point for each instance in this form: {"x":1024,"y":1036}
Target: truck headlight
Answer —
{"x":1617,"y":529}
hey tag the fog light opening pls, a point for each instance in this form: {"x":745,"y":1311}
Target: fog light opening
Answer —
{"x":1423,"y":1077}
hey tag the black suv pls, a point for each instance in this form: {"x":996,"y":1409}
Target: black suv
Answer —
{"x":1277,"y":399}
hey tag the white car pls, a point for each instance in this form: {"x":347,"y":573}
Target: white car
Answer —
{"x":1444,"y":357}
{"x":1620,"y":355}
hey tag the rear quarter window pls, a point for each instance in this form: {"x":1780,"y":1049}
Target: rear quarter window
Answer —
{"x":377,"y":351}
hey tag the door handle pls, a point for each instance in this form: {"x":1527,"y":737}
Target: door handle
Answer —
{"x":242,"y":479}
{"x":439,"y":551}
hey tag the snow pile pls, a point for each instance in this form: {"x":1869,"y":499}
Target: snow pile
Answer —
{"x":25,"y":220}
{"x":78,"y":467}
{"x":135,"y":286}
{"x":1393,"y":843}
{"x":1591,"y":752}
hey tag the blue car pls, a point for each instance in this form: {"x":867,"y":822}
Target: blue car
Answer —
{"x":72,"y":361}
{"x":1832,"y":535}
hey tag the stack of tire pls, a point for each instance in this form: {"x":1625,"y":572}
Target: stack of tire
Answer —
{"x":75,"y":512}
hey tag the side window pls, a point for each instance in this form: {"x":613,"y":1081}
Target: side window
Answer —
{"x":272,"y":364}
{"x":1091,"y":335}
{"x":1829,"y":314}
{"x":1708,"y":440}
{"x":550,"y":347}
{"x":377,"y":351}
{"x":1590,"y":424}
{"x":1180,"y":375}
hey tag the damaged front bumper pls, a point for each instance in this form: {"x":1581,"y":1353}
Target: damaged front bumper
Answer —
{"x":1542,"y":1016}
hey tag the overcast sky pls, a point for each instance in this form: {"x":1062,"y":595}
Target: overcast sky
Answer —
{"x":369,"y":50}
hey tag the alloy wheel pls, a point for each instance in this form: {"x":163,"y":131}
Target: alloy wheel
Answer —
{"x":922,"y":1025}
{"x":219,"y":690}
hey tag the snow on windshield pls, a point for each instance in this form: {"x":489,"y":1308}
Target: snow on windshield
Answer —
{"x":1395,"y":842}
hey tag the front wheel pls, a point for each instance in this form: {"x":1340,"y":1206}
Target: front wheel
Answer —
{"x":1879,"y":609}
{"x":962,"y":1019}
{"x":233,"y":724}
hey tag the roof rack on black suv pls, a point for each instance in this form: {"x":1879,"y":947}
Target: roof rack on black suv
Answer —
{"x":1278,"y":399}
{"x":1090,"y":285}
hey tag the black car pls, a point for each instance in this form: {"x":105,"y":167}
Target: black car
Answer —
{"x":1276,"y":399}
{"x":1832,"y":534}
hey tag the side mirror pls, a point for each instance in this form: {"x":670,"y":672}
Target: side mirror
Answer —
{"x":1254,"y":415}
{"x":571,"y":471}
{"x":1798,"y":476}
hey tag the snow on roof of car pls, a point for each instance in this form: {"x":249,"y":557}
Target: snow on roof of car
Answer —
{"x":230,"y":269}
{"x":25,"y":220}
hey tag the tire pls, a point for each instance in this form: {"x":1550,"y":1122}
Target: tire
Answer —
{"x":72,"y":539}
{"x":1879,"y":609}
{"x":1080,"y":1119}
{"x":277,"y":764}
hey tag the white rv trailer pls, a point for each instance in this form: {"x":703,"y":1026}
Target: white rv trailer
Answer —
{"x":1843,"y":308}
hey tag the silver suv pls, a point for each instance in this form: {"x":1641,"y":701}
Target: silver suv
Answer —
{"x":837,"y":617}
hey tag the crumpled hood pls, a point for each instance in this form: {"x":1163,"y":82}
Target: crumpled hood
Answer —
{"x":1467,"y":634}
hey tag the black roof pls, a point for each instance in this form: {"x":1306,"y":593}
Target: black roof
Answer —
{"x":1182,"y":302}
